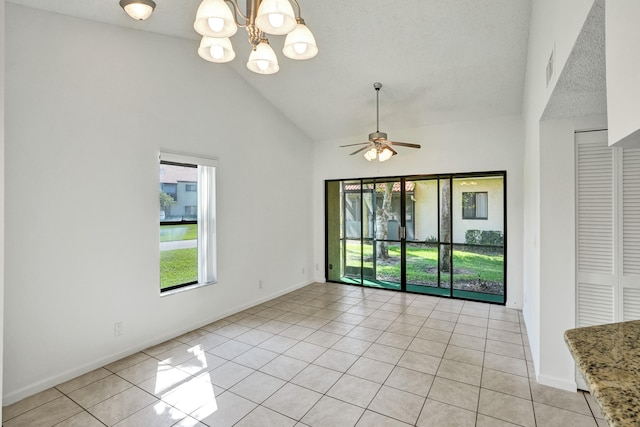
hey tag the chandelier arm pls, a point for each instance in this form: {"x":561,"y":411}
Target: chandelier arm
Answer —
{"x":236,"y":11}
{"x":298,"y":6}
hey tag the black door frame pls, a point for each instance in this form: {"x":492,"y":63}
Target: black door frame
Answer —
{"x":403,"y":240}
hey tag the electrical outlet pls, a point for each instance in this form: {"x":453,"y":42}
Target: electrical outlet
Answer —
{"x":259,"y":284}
{"x":302,"y":270}
{"x":317,"y":266}
{"x":118,"y":329}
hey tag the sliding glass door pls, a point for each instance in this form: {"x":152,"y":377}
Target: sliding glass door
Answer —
{"x":428,"y":244}
{"x":478,"y":227}
{"x":440,"y":235}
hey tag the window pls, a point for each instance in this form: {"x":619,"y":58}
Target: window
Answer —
{"x":475,"y":205}
{"x":170,"y":188}
{"x":187,"y":221}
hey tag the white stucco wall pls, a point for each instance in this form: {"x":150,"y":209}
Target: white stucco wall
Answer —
{"x":557,"y":246}
{"x":87,"y":116}
{"x":554,"y":25}
{"x":487,"y":145}
{"x":1,"y":198}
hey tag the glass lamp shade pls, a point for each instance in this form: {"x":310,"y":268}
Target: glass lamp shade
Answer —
{"x":371,"y":154}
{"x":300,"y":43}
{"x":263,"y":59}
{"x":276,"y":17}
{"x":217,"y":50}
{"x":138,"y":9}
{"x":385,"y":154}
{"x":214,"y":19}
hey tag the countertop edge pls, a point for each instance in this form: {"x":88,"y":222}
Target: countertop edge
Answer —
{"x":608,"y":357}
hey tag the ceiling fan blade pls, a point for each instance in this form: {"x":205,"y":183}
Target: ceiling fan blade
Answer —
{"x":404,"y":144}
{"x":359,"y":143}
{"x":361,"y":149}
{"x":392,"y":150}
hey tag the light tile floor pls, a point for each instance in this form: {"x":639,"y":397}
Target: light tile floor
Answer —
{"x":324,"y":355}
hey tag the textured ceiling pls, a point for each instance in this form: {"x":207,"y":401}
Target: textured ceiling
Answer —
{"x":439,"y":60}
{"x":581,"y":89}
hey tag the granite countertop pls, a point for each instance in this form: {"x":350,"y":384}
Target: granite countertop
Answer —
{"x":608,"y":356}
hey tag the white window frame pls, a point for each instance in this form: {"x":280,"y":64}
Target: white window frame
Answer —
{"x":206,"y":188}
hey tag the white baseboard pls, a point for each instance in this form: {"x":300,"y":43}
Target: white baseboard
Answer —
{"x":57,"y":379}
{"x":561,"y":383}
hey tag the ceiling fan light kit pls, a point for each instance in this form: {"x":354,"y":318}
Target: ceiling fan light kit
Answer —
{"x":378,"y":145}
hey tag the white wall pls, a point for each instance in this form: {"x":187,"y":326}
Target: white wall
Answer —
{"x":554,"y":25}
{"x":89,"y":106}
{"x":487,"y":145}
{"x":623,"y":71}
{"x":1,"y":194}
{"x":557,"y":246}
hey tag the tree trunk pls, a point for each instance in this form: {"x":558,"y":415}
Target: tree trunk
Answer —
{"x":445,"y":227}
{"x":382,"y":221}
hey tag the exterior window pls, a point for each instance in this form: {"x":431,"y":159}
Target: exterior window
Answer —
{"x":475,"y":205}
{"x":170,"y":188}
{"x":187,"y":221}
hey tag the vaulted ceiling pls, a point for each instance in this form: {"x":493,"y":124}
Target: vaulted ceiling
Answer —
{"x":440,"y":60}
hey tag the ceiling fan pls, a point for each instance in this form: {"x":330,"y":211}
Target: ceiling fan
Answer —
{"x":378,"y":145}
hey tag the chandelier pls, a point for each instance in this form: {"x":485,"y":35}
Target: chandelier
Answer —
{"x":216,"y":22}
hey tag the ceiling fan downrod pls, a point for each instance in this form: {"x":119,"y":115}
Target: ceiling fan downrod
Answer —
{"x":377,"y":135}
{"x":377,"y":86}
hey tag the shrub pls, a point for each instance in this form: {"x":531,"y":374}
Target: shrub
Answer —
{"x":492,"y":238}
{"x":472,"y":237}
{"x":484,"y":237}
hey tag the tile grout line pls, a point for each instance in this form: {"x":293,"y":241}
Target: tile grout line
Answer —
{"x":326,"y":300}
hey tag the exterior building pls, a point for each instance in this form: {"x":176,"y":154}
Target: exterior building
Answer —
{"x":181,"y":183}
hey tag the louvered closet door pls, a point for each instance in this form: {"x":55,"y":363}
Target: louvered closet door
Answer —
{"x":629,"y":218}
{"x":596,"y":272}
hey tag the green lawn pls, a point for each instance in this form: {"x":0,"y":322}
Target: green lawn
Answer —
{"x":171,"y":233}
{"x":422,"y":264}
{"x":178,"y":266}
